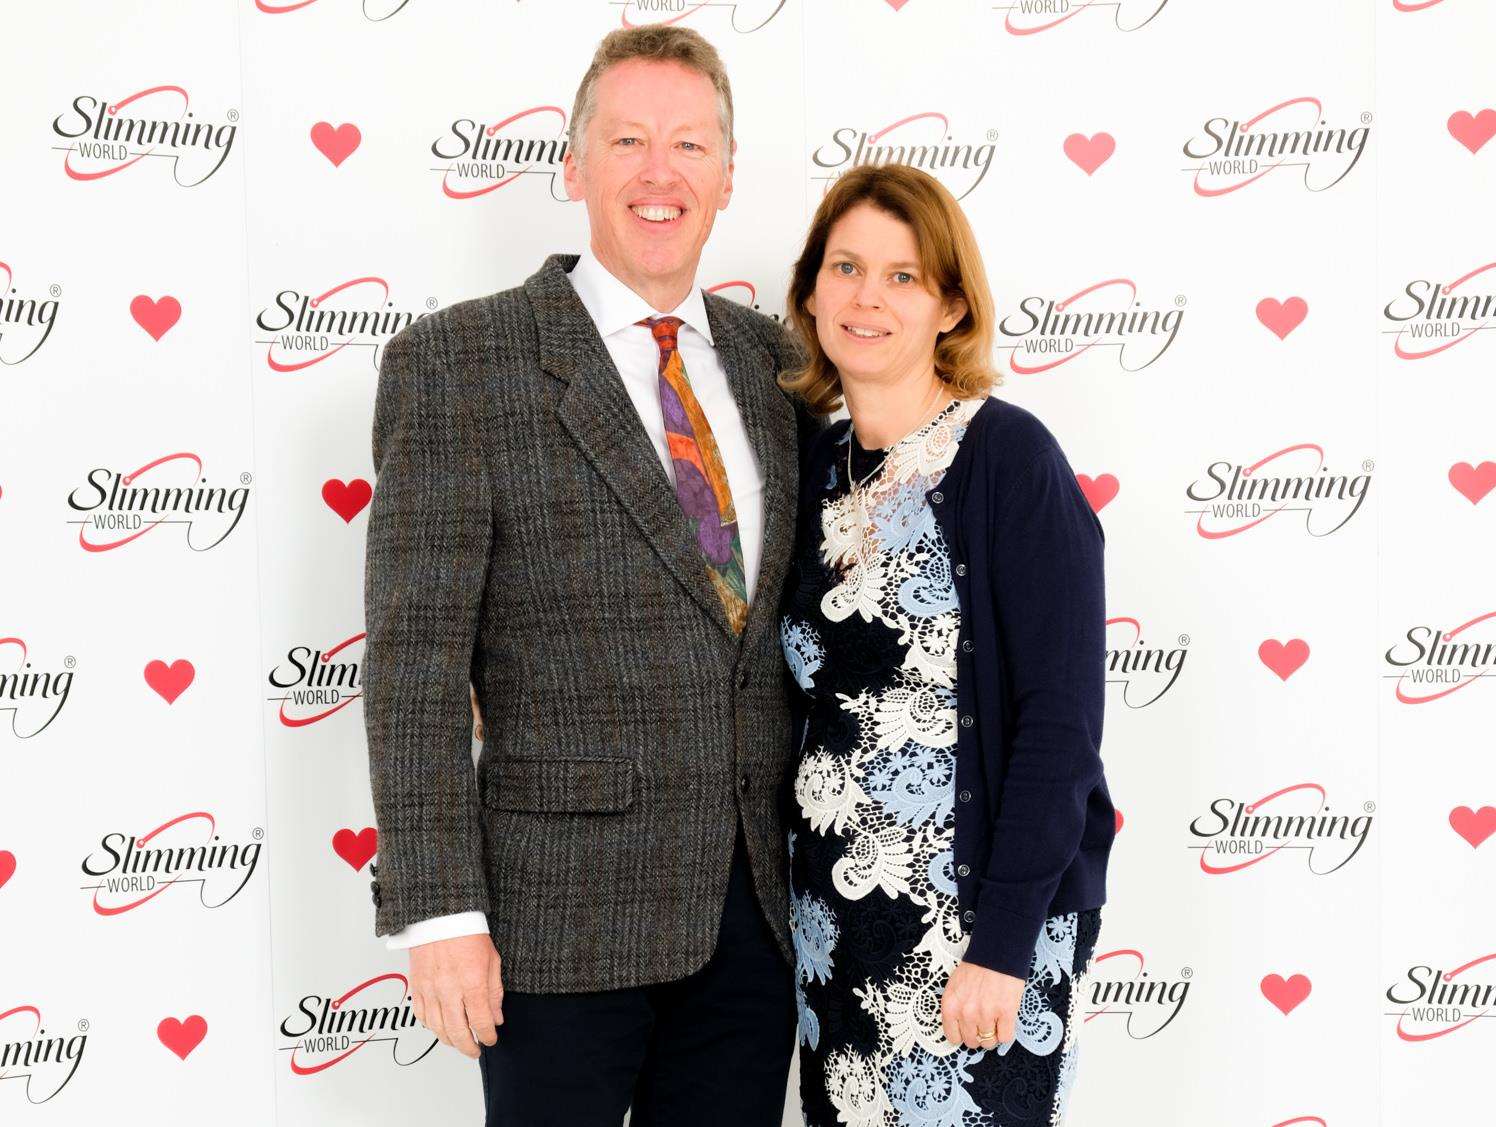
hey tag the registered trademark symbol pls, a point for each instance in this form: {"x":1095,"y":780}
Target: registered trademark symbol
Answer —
{"x":55,"y":290}
{"x":233,"y":115}
{"x":1184,"y":639}
{"x":1179,"y":300}
{"x":1368,"y":465}
{"x":992,"y":134}
{"x":1187,"y":972}
{"x":1366,"y":119}
{"x":431,"y":303}
{"x":257,"y":833}
{"x":1369,"y":807}
{"x":69,"y":661}
{"x":245,"y":478}
{"x":83,"y":1025}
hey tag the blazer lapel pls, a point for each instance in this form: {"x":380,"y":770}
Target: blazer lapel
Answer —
{"x":601,"y":419}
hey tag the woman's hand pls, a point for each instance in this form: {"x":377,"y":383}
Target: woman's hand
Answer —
{"x":477,"y":716}
{"x":977,"y":1001}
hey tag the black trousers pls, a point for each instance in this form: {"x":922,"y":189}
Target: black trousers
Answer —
{"x":712,"y":1048}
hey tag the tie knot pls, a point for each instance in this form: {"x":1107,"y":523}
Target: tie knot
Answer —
{"x":664,"y":329}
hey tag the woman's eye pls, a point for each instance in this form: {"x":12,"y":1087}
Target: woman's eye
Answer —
{"x":838,"y":268}
{"x":903,"y":277}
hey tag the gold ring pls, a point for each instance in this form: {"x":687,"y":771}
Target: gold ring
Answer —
{"x":986,"y":1036}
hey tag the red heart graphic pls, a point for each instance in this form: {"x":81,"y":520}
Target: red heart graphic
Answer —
{"x":7,"y":866}
{"x":1472,"y":825}
{"x":336,"y":145}
{"x":169,"y":680}
{"x":1099,"y":491}
{"x":181,"y":1037}
{"x":1285,"y":995}
{"x":896,"y":4}
{"x":1090,"y":153}
{"x":155,"y":317}
{"x":1282,"y":318}
{"x":356,"y":848}
{"x":1119,"y":820}
{"x":1472,"y":131}
{"x":347,"y":500}
{"x":1473,"y":481}
{"x":1284,"y":658}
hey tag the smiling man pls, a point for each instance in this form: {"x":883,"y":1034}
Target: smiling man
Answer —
{"x":585,"y":509}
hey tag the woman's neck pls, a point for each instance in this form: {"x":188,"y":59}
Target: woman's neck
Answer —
{"x":884,"y":413}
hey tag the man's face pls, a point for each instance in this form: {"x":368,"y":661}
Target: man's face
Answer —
{"x":652,"y":173}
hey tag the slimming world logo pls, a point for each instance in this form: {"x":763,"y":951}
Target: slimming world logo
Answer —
{"x":1431,"y":317}
{"x":1029,"y":17}
{"x":1238,"y":835}
{"x":325,"y":1030}
{"x":1230,"y":154}
{"x":1238,"y":498}
{"x":921,"y":139}
{"x":308,"y":329}
{"x":128,"y":871}
{"x":311,"y":683}
{"x":1145,"y":672}
{"x":106,"y":138}
{"x":743,"y":16}
{"x":481,"y":157}
{"x":1049,"y":331}
{"x":120,"y":509}
{"x":1122,"y":986}
{"x":43,"y":1061}
{"x":26,"y":319}
{"x":1433,"y":1004}
{"x":1432,"y":663}
{"x":32,"y":696}
{"x":742,"y":292}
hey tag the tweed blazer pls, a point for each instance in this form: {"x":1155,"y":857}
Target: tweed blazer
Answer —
{"x":524,"y":537}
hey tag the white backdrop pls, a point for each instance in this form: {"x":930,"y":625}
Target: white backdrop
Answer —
{"x":205,"y":311}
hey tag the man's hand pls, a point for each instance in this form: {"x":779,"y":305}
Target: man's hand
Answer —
{"x":978,"y":1000}
{"x":455,"y":986}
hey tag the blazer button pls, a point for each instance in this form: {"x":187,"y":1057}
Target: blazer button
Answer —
{"x":966,"y":721}
{"x":969,"y":916}
{"x":937,"y":496}
{"x":966,"y":646}
{"x":960,"y":569}
{"x":963,"y":870}
{"x":965,"y":796}
{"x":374,"y":891}
{"x":743,"y":679}
{"x":743,"y":784}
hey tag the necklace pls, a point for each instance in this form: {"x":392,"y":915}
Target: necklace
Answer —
{"x":854,"y":485}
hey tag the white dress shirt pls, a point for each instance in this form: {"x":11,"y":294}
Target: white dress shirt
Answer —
{"x":615,"y":310}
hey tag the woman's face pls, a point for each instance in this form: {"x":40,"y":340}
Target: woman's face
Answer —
{"x":876,"y":317}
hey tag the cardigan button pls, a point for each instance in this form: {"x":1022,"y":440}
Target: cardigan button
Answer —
{"x":965,"y":796}
{"x":966,"y":646}
{"x":937,"y":496}
{"x":966,"y":721}
{"x":963,"y":870}
{"x":969,"y":916}
{"x":960,"y":569}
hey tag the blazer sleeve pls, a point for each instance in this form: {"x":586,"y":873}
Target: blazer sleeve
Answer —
{"x":429,"y":536}
{"x":1049,"y":589}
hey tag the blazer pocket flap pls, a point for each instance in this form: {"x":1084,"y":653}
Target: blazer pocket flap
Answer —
{"x":563,"y":786}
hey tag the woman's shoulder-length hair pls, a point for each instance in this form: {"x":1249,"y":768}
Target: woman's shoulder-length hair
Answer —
{"x":949,"y":257}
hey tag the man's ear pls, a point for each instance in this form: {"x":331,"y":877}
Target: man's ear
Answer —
{"x":727,"y":181}
{"x":571,"y":176}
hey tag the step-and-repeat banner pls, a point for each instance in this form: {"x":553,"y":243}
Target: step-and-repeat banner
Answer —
{"x":1245,"y":261}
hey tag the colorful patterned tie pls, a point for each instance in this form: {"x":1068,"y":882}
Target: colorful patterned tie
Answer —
{"x":700,"y":479}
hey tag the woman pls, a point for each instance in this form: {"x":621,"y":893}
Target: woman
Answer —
{"x":944,"y":620}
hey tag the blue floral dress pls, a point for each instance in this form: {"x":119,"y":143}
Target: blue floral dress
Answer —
{"x":869,"y":629}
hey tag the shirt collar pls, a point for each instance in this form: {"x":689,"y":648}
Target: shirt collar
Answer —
{"x":613,"y":306}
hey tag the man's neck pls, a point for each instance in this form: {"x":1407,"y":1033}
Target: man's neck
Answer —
{"x":663,"y":294}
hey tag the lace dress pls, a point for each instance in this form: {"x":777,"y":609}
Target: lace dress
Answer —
{"x":869,"y":630}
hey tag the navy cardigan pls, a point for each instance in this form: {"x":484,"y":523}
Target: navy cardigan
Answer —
{"x":1034,"y":821}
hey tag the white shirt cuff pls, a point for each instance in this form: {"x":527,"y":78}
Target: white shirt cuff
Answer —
{"x":438,"y":927}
